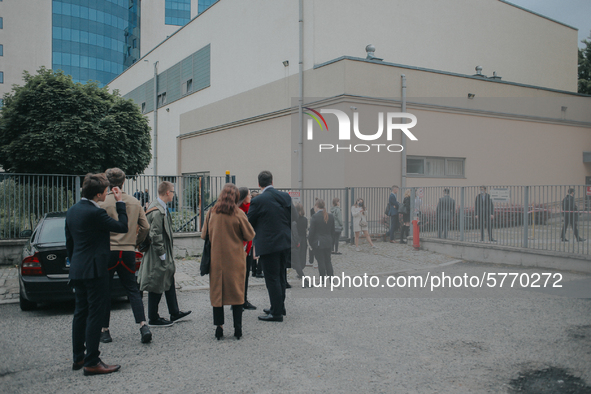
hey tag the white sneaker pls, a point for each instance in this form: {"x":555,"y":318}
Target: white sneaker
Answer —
{"x":357,"y":249}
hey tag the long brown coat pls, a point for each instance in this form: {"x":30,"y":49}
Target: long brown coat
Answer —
{"x":227,"y":275}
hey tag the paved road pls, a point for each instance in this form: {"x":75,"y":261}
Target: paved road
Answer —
{"x":386,"y":340}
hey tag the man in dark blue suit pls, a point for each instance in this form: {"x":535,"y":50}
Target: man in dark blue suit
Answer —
{"x":88,"y":229}
{"x":393,"y":212}
{"x":271,"y":214}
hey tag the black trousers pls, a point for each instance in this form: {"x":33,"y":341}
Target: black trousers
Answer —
{"x":336,"y":236}
{"x":123,"y":262}
{"x":91,"y":301}
{"x":570,"y":220}
{"x":274,"y":266}
{"x":311,"y":256}
{"x":485,"y":221}
{"x":324,"y":263}
{"x":443,"y":227}
{"x":171,"y":302}
{"x":394,"y":221}
{"x":249,"y":264}
{"x":298,"y":262}
{"x":218,"y":315}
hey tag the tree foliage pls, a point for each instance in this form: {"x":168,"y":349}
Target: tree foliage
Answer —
{"x":52,"y":125}
{"x":585,"y":67}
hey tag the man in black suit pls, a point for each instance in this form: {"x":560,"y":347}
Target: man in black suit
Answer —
{"x":484,"y":209}
{"x":446,"y":208}
{"x":571,"y":216}
{"x":271,"y":214}
{"x":88,"y":229}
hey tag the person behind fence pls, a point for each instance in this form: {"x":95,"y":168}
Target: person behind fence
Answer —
{"x":302,"y":225}
{"x":88,"y":229}
{"x":358,"y":211}
{"x":122,"y":257}
{"x":145,"y":199}
{"x":156,"y":274}
{"x":228,"y":229}
{"x":321,"y":238}
{"x":338,"y":224}
{"x":244,"y":199}
{"x":311,"y":251}
{"x":446,"y":209}
{"x":257,"y":267}
{"x":270,"y":214}
{"x":571,"y":216}
{"x":404,"y":214}
{"x":484,"y":212}
{"x":393,"y":206}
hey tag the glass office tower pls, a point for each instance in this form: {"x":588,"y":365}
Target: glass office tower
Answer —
{"x":204,"y":4}
{"x":94,"y":39}
{"x":177,"y":12}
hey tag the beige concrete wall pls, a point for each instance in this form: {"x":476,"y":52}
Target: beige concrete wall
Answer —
{"x":244,"y":151}
{"x":26,"y":37}
{"x":450,"y":35}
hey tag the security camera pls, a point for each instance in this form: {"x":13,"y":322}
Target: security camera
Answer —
{"x":353,"y":108}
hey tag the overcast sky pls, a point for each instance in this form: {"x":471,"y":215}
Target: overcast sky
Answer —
{"x":575,"y":13}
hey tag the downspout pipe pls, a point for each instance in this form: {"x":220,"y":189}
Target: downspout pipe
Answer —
{"x":301,"y":98}
{"x":402,"y":136}
{"x":156,"y":120}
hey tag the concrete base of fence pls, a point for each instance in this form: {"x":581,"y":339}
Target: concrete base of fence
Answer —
{"x":11,"y":250}
{"x":508,"y":255}
{"x":188,"y":244}
{"x":185,"y":245}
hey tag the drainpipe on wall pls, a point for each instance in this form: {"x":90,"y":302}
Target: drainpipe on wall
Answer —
{"x":156,"y":121}
{"x":402,"y":136}
{"x":301,"y":99}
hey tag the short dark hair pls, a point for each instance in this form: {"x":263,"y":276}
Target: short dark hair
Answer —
{"x":395,"y":187}
{"x":94,"y":184}
{"x":483,"y":187}
{"x":265,"y":178}
{"x":335,"y":201}
{"x":571,"y":190}
{"x":446,"y":191}
{"x":116,"y":177}
{"x":164,"y":187}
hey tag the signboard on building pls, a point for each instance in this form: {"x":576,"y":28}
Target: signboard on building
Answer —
{"x":295,"y":196}
{"x":502,"y":194}
{"x":589,"y":190}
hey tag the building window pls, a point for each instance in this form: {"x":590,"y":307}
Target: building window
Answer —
{"x":161,"y":99}
{"x":1,"y":23}
{"x":435,"y":167}
{"x":1,"y":48}
{"x":143,"y":108}
{"x":1,"y":76}
{"x":187,"y":87}
{"x":177,"y":12}
{"x":204,"y":4}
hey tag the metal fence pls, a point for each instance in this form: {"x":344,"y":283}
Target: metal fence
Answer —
{"x":26,"y":198}
{"x":531,"y":217}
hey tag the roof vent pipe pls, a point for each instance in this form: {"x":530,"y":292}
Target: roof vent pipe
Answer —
{"x":370,"y":49}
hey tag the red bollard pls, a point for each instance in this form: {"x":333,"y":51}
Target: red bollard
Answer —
{"x":415,"y":235}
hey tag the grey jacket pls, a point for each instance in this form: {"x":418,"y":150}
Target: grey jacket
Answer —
{"x":156,"y":275}
{"x":338,"y":218}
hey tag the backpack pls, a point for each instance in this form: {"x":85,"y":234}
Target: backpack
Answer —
{"x":147,"y":242}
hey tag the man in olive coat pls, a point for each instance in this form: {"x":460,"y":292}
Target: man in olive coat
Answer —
{"x":156,"y":274}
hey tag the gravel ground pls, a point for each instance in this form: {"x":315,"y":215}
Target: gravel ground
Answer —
{"x":351,"y":340}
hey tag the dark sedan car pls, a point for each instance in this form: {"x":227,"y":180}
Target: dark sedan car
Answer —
{"x":43,"y":271}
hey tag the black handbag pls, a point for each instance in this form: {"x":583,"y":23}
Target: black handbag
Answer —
{"x":206,"y":255}
{"x":402,"y":209}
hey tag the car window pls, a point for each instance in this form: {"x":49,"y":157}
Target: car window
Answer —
{"x":53,"y":230}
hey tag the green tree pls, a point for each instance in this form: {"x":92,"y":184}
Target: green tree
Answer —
{"x":52,"y":125}
{"x":585,"y":67}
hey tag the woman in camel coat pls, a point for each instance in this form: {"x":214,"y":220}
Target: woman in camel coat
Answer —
{"x":228,"y":229}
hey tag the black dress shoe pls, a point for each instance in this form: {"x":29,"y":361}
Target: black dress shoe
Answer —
{"x":179,"y":316}
{"x":270,"y":317}
{"x":106,"y":337}
{"x":581,"y":239}
{"x":259,"y":276}
{"x":493,"y":240}
{"x":564,"y":240}
{"x":77,"y":366}
{"x":287,"y":285}
{"x":161,"y":322}
{"x":238,"y":332}
{"x":145,"y":333}
{"x":268,"y":311}
{"x":249,"y":306}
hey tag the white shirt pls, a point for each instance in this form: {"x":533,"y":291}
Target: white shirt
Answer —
{"x":164,"y":205}
{"x":270,"y":186}
{"x":92,"y":201}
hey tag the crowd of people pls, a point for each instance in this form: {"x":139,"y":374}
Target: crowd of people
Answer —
{"x":263,"y":234}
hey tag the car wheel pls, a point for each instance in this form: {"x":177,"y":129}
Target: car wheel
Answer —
{"x":25,"y":304}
